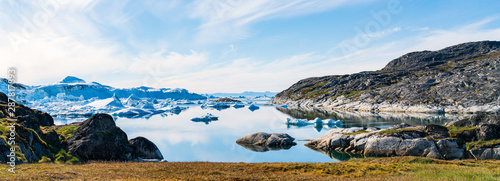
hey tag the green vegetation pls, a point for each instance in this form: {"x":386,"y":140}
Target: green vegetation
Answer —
{"x":320,"y":84}
{"x":335,"y":97}
{"x":396,"y":168}
{"x":484,"y":57}
{"x":65,"y":157}
{"x":44,"y":160}
{"x":395,"y":130}
{"x":67,"y":131}
{"x":482,"y":144}
{"x":355,"y":94}
{"x":454,"y":131}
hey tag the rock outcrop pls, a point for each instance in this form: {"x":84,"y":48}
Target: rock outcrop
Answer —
{"x":229,"y":100}
{"x":432,"y":141}
{"x":98,"y":138}
{"x":461,"y":78}
{"x":145,"y":149}
{"x":34,"y":137}
{"x":262,"y":142}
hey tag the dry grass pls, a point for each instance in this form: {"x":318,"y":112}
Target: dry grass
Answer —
{"x":397,"y":168}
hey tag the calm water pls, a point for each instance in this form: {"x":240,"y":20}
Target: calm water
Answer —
{"x":180,"y":139}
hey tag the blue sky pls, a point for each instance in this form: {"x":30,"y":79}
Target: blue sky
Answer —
{"x":211,"y":46}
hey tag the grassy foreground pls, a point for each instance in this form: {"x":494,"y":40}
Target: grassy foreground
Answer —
{"x":396,"y":168}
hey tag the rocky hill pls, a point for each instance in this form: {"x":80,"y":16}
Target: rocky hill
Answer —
{"x":460,"y":78}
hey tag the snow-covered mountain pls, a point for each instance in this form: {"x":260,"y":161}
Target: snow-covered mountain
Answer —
{"x":74,"y":96}
{"x":73,"y":88}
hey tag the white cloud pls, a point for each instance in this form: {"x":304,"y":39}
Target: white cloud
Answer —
{"x":227,"y":20}
{"x":166,"y":63}
{"x":250,"y":74}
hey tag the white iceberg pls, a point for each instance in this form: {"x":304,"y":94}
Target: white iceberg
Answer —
{"x":132,"y":100}
{"x":317,"y":121}
{"x":109,"y":102}
{"x":206,"y":119}
{"x":147,"y":105}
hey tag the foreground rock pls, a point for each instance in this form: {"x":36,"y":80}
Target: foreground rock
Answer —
{"x":37,"y":139}
{"x":460,"y":78}
{"x":98,"y":138}
{"x":28,"y":137}
{"x":145,"y":149}
{"x":262,"y":142}
{"x":432,"y":141}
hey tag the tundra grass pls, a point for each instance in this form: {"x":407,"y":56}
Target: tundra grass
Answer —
{"x":395,"y":168}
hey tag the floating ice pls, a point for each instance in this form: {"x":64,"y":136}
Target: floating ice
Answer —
{"x":317,"y":121}
{"x":206,"y":119}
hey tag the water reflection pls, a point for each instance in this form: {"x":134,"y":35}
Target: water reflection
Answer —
{"x":337,"y":156}
{"x":262,"y":148}
{"x":367,"y":119}
{"x":180,"y":139}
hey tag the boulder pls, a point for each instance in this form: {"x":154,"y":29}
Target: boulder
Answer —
{"x":145,"y":149}
{"x":408,"y":134}
{"x":467,"y":136}
{"x":98,"y":138}
{"x":436,"y":131}
{"x":268,"y":140}
{"x":488,"y":132}
{"x":383,"y":146}
{"x":485,"y":153}
{"x":449,"y":149}
{"x":334,"y":139}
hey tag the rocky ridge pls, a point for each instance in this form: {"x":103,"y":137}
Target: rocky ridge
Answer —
{"x":460,"y":79}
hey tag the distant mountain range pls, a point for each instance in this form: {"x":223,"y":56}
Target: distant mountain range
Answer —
{"x":73,"y":88}
{"x":460,"y":78}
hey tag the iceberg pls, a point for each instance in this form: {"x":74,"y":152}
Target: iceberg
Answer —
{"x":147,"y":105}
{"x":109,"y":102}
{"x":131,"y":111}
{"x":132,"y":100}
{"x":206,"y":119}
{"x":316,"y":121}
{"x":218,"y":106}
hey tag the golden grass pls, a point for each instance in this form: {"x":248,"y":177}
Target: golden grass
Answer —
{"x":396,"y":168}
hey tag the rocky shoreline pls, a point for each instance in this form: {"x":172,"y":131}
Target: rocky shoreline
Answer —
{"x":459,"y":79}
{"x":476,"y":137}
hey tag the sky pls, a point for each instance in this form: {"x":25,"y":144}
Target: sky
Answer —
{"x":209,"y":46}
